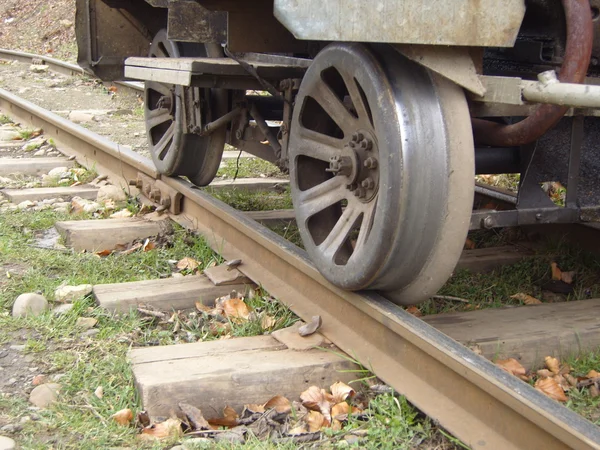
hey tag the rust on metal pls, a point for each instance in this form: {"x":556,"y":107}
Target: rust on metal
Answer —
{"x":578,"y":52}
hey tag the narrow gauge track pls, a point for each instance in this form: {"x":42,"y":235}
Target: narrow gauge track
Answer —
{"x":478,"y":402}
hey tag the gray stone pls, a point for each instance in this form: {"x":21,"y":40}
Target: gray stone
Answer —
{"x":195,"y":443}
{"x":39,"y":68}
{"x":178,"y":447}
{"x":40,"y":152}
{"x":29,"y":304}
{"x":65,"y":294}
{"x":58,"y":172}
{"x":110,"y":192}
{"x":90,"y":333}
{"x":7,"y":443}
{"x":62,"y":309}
{"x":9,"y":135}
{"x":17,"y":348}
{"x":233,"y":436}
{"x":86,"y":322}
{"x":44,"y":395}
{"x":11,"y":428}
{"x":26,"y":204}
{"x":80,"y":117}
{"x":290,"y":337}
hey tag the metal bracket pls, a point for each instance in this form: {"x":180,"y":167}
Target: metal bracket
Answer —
{"x":161,"y":195}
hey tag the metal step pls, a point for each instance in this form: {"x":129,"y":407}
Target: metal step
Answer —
{"x":216,"y":72}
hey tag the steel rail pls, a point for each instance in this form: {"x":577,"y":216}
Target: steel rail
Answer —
{"x":58,"y":66}
{"x":472,"y":398}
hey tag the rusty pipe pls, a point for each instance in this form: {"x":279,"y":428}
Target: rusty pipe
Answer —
{"x":578,"y":52}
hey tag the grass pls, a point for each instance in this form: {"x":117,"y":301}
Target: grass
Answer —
{"x":4,"y":119}
{"x":253,"y":201}
{"x":248,"y":168}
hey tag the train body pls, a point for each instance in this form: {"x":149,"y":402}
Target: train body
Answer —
{"x":381,"y":111}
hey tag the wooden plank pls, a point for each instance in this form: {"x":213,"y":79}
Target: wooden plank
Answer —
{"x":234,"y":372}
{"x":37,"y":194}
{"x":250,"y":184}
{"x":223,"y":275}
{"x":488,"y":259}
{"x":165,"y":294}
{"x":526,"y":333}
{"x":98,"y":235}
{"x":31,"y":166}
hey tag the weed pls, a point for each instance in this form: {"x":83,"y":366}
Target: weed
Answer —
{"x":26,"y":134}
{"x":4,"y":119}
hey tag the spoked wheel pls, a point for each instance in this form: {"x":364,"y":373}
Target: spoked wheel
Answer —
{"x":381,"y":170}
{"x":176,"y":151}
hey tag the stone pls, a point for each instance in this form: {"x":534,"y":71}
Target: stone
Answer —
{"x":66,"y":23}
{"x":9,"y":135}
{"x":29,"y":304}
{"x":40,"y":152}
{"x":62,"y":309}
{"x":65,"y":294}
{"x":91,"y":207}
{"x":48,"y":180}
{"x":39,"y":68}
{"x":80,"y":117}
{"x":7,"y":443}
{"x":194,"y":443}
{"x":110,"y":192}
{"x":44,"y":395}
{"x":290,"y":337}
{"x":11,"y":428}
{"x":59,"y":172}
{"x":86,"y":322}
{"x":90,"y":333}
{"x":26,"y":204}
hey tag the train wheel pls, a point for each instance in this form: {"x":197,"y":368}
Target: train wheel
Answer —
{"x":174,"y":150}
{"x":381,"y":170}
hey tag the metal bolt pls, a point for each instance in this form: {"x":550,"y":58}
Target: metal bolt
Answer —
{"x":351,"y":187}
{"x":166,"y":202}
{"x":360,"y":193}
{"x":352,"y":144}
{"x":355,"y":137}
{"x":366,"y":144}
{"x":155,"y":194}
{"x":538,"y":216}
{"x":487,"y":222}
{"x":370,"y":163}
{"x":368,"y":183}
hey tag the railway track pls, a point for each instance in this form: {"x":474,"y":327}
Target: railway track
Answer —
{"x":472,"y":398}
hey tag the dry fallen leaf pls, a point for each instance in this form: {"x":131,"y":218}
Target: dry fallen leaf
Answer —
{"x":194,"y":416}
{"x":553,"y":364}
{"x":254,"y":408}
{"x":568,"y":277}
{"x":594,"y":392}
{"x":593,"y":374}
{"x":99,"y":392}
{"x":551,"y":388}
{"x":123,"y":417}
{"x":318,"y":400}
{"x":414,"y":311}
{"x":202,"y":307}
{"x":103,"y":252}
{"x":188,"y":263}
{"x":525,"y":298}
{"x":281,"y":404}
{"x":341,"y":391}
{"x":229,"y":419}
{"x":340,"y":409}
{"x":39,"y":379}
{"x":298,"y":429}
{"x":469,"y":244}
{"x":562,"y":382}
{"x":267,"y":322}
{"x":544,"y":373}
{"x":168,"y":428}
{"x":571,"y":379}
{"x":315,"y":421}
{"x":149,"y":245}
{"x":143,"y":418}
{"x":236,"y":310}
{"x":513,"y":367}
{"x":133,"y":248}
{"x":556,"y":272}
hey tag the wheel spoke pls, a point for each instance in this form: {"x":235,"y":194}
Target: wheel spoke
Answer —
{"x":318,"y":146}
{"x":161,"y":88}
{"x":162,"y":146}
{"x":340,"y":232}
{"x":322,"y":196}
{"x":158,"y":116}
{"x":334,"y":107}
{"x":365,"y":226}
{"x":357,"y":99}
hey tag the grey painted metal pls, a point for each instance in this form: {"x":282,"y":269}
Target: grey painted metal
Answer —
{"x":482,"y":23}
{"x":469,"y":396}
{"x":401,"y":107}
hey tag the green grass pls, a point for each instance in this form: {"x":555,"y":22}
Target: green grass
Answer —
{"x":4,"y":119}
{"x":580,"y":400}
{"x":248,"y":168}
{"x":26,"y":134}
{"x":253,"y":201}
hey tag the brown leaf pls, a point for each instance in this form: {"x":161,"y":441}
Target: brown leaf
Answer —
{"x":544,"y":373}
{"x":99,"y":392}
{"x":562,"y":382}
{"x":202,"y":307}
{"x":525,"y":298}
{"x":168,"y":428}
{"x":556,"y":272}
{"x":195,"y":417}
{"x":254,"y":408}
{"x":188,"y":263}
{"x":281,"y":404}
{"x":143,"y":418}
{"x":104,"y":252}
{"x":414,"y":311}
{"x":315,"y":421}
{"x":123,"y":417}
{"x":236,"y":310}
{"x":551,"y":388}
{"x":512,"y":366}
{"x":149,"y":245}
{"x":553,"y":364}
{"x":310,"y":327}
{"x":318,"y":400}
{"x":594,"y":392}
{"x":340,"y":409}
{"x":568,"y":277}
{"x":341,"y":391}
{"x":469,"y":244}
{"x":593,"y":374}
{"x":267,"y":322}
{"x":336,"y":425}
{"x":132,"y":249}
{"x":229,"y":419}
{"x":39,"y":379}
{"x":298,"y":429}
{"x":571,"y":379}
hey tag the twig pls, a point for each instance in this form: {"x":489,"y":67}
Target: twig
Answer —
{"x":94,"y":412}
{"x":449,"y":297}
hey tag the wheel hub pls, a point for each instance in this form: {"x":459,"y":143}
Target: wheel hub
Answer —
{"x":165,"y":102}
{"x":359,"y":164}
